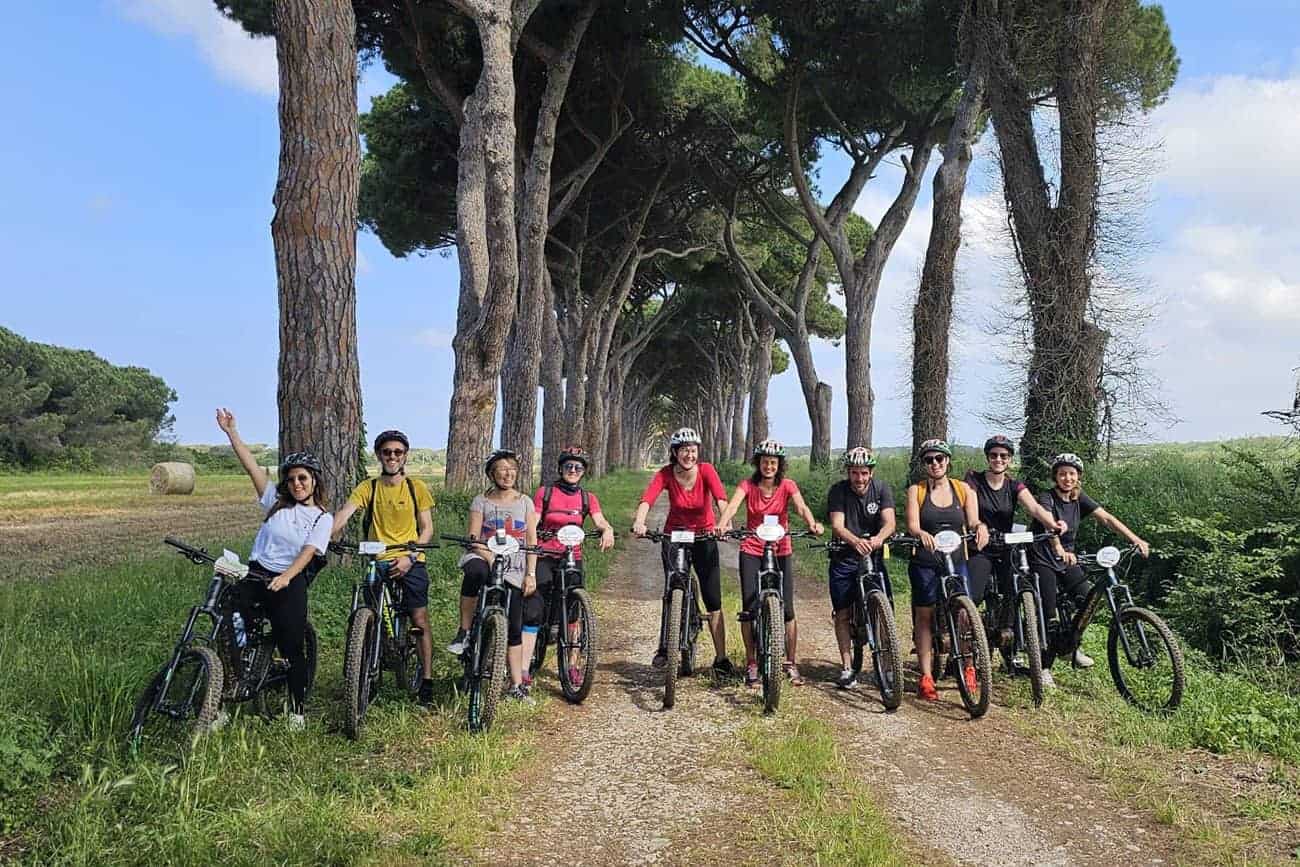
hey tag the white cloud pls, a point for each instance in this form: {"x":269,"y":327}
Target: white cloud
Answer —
{"x":434,"y":338}
{"x":235,"y":56}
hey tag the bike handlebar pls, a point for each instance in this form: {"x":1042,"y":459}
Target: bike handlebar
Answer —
{"x":197,"y":556}
{"x":746,"y":533}
{"x":1091,"y":559}
{"x":468,"y":542}
{"x":355,"y":550}
{"x":589,"y":534}
{"x":660,"y":536}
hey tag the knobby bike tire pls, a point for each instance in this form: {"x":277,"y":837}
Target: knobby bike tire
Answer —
{"x":938,"y":633}
{"x":887,"y":660}
{"x":772,"y":634}
{"x":672,"y":646}
{"x":976,"y":704}
{"x":407,"y":670}
{"x":1156,"y":698}
{"x":203,"y":699}
{"x":356,"y":669}
{"x":492,"y":683}
{"x":578,"y":610}
{"x":543,"y":643}
{"x":1028,"y":611}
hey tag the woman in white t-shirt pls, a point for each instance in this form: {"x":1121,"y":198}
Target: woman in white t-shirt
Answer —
{"x":294,"y":532}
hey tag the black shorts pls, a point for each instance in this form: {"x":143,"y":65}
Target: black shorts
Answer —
{"x":476,"y":572}
{"x":703,"y":556}
{"x":843,"y":576}
{"x":982,"y":570}
{"x":415,"y":584}
{"x":749,"y":565}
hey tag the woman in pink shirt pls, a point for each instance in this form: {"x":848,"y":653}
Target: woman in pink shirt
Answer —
{"x":768,"y":492}
{"x":693,"y":489}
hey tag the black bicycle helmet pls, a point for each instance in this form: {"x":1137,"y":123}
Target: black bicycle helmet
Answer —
{"x":392,"y":436}
{"x":303,"y":459}
{"x":572,"y":453}
{"x":998,"y":441}
{"x":499,"y":454}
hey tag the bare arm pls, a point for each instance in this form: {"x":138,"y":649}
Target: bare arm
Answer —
{"x":972,"y":511}
{"x":606,"y":531}
{"x":638,"y":522}
{"x":345,"y":512}
{"x":729,"y":511}
{"x":299,"y":563}
{"x":530,"y":559}
{"x":226,"y":421}
{"x":888,"y":523}
{"x":1109,"y":520}
{"x":805,"y":513}
{"x":1038,"y":513}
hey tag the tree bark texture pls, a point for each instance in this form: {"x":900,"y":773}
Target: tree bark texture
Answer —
{"x":552,"y":392}
{"x":314,"y":232}
{"x":760,"y":378}
{"x":486,"y":239}
{"x":1054,"y":242}
{"x":932,"y":313}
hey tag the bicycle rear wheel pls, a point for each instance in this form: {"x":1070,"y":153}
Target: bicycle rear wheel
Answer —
{"x":539,"y":649}
{"x":193,"y":693}
{"x":358,"y":659}
{"x":1028,"y":610}
{"x":672,"y":646}
{"x":770,"y":629}
{"x":974,"y":636}
{"x":486,"y":689}
{"x":1149,"y":675}
{"x":885,"y":657}
{"x":580,"y":628}
{"x":407,"y":670}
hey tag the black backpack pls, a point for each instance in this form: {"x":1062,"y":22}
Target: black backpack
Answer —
{"x":368,"y":522}
{"x":546,"y":503}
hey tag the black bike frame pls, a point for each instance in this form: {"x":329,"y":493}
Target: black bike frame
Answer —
{"x":558,"y":599}
{"x":1023,"y":579}
{"x":491,"y":598}
{"x":1118,"y":598}
{"x":680,"y":577}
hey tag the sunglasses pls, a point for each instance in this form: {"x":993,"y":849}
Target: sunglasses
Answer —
{"x":999,"y":456}
{"x":574,"y":467}
{"x":934,"y":459}
{"x":299,"y":477}
{"x":392,"y":453}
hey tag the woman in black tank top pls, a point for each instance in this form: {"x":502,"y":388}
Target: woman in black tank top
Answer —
{"x":935,"y":504}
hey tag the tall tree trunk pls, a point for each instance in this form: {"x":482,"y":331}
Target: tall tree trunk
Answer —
{"x":614,"y":404}
{"x":932,"y":313}
{"x":817,"y":399}
{"x":760,"y":378}
{"x":552,"y":393}
{"x":314,"y":232}
{"x":519,"y":387}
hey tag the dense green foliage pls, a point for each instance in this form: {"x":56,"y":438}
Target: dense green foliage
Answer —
{"x":70,"y":408}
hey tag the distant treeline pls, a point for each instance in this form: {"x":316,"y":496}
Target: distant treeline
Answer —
{"x":69,"y":408}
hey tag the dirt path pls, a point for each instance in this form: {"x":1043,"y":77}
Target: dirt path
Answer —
{"x":620,"y":781}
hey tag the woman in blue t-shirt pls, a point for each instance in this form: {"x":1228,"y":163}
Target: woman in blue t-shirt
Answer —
{"x":294,"y":532}
{"x":1055,"y":561}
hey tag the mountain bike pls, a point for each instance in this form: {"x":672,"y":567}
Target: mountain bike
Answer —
{"x":684,"y":620}
{"x":235,"y":661}
{"x":871,"y":626}
{"x":1016,"y":625}
{"x":767,"y":614}
{"x":569,"y":620}
{"x":485,"y":643}
{"x":957,"y":628}
{"x":380,"y":635}
{"x":1146,"y":662}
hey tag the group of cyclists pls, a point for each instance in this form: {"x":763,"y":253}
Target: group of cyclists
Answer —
{"x":296,"y":531}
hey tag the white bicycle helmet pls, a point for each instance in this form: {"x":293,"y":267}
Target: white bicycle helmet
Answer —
{"x":859,"y":456}
{"x":1067,"y":459}
{"x":685,"y":436}
{"x":769,"y":449}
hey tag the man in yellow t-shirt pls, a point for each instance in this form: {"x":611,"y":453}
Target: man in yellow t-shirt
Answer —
{"x":398,"y":508}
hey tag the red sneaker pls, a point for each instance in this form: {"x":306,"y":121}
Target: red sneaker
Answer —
{"x":972,"y":685}
{"x":925,"y":689}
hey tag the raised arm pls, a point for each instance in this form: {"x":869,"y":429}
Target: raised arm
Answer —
{"x":226,"y":421}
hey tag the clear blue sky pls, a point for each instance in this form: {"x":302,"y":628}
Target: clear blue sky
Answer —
{"x":137,"y":175}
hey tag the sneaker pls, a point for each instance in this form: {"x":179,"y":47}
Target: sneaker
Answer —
{"x":1082,"y":660}
{"x":661,"y":658}
{"x":296,"y":722}
{"x":847,"y":679}
{"x":219,"y":722}
{"x":425,"y":696}
{"x":520,"y":694}
{"x":751,"y":675}
{"x":575,"y":677}
{"x":792,"y":672}
{"x":526,"y":679}
{"x":724,"y":667}
{"x":972,"y":683}
{"x":925,"y":688}
{"x":1047,"y":680}
{"x":457,"y":646}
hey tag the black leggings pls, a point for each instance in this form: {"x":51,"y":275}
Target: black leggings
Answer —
{"x":1051,"y":581}
{"x":749,"y":566}
{"x":477,"y":572}
{"x":287,"y":612}
{"x":981,"y":569}
{"x":535,"y":605}
{"x":703,"y":556}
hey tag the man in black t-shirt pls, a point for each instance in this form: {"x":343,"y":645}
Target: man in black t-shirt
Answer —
{"x":862,"y":515}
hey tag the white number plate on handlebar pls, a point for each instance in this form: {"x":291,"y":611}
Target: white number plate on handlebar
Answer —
{"x":372,"y":549}
{"x":683,"y":537}
{"x":570,"y":534}
{"x":770,"y":532}
{"x":1018,"y":538}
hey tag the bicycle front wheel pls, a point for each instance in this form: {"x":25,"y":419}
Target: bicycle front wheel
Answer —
{"x":191,"y":696}
{"x":358,"y":659}
{"x":672,"y":646}
{"x":771,"y":638}
{"x":578,"y":670}
{"x":886,"y":659}
{"x":1033,"y":645}
{"x":487,"y":687}
{"x":972,"y":635}
{"x":1146,"y":662}
{"x":408,"y":672}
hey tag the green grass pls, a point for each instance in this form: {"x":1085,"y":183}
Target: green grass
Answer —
{"x":76,"y":650}
{"x":64,"y":495}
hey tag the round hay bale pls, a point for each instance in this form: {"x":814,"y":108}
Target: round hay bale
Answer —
{"x":172,"y":477}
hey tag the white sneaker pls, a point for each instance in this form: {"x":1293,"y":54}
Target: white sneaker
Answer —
{"x":1082,"y":660}
{"x":1048,"y":681}
{"x":296,"y":722}
{"x":457,"y":645}
{"x":219,"y":722}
